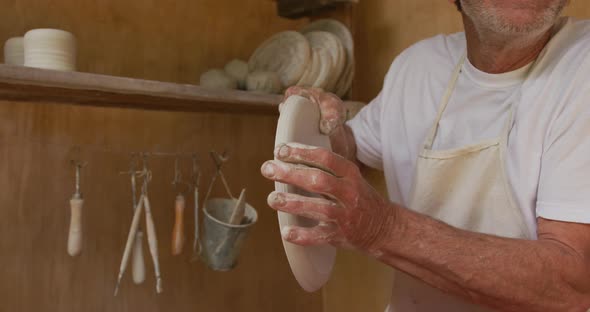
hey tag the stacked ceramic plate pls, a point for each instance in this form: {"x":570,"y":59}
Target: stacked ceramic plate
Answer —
{"x":328,"y":60}
{"x":287,"y":54}
{"x":321,"y":56}
{"x":345,"y":71}
{"x":50,"y":49}
{"x":14,"y":53}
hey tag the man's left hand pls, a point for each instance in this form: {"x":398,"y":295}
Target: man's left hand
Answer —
{"x":351,"y":213}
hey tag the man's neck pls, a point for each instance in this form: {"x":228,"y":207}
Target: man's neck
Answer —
{"x":495,"y":54}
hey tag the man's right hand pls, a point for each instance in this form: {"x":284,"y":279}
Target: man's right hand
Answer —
{"x":333,"y":115}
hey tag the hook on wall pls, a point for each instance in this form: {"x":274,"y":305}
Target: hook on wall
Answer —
{"x":178,"y":181}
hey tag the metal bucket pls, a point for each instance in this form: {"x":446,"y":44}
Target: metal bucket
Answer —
{"x":222,"y":240}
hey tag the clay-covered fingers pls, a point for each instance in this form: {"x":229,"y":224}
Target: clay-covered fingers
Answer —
{"x":324,"y":233}
{"x":306,"y":178}
{"x":306,"y":92}
{"x":315,"y":157}
{"x":332,"y":110}
{"x":318,"y":209}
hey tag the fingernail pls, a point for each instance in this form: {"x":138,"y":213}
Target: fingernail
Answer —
{"x":284,"y":151}
{"x":268,"y":169}
{"x":277,"y":149}
{"x":328,"y":126}
{"x":276,"y":199}
{"x":286,"y":233}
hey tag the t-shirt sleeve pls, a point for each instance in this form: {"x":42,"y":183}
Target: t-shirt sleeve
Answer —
{"x":564,"y":184}
{"x":366,"y":128}
{"x":367,"y":125}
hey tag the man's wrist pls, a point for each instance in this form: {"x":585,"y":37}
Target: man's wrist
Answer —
{"x":384,"y":231}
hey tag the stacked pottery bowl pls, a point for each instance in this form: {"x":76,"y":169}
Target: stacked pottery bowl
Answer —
{"x":50,"y":49}
{"x":14,"y":53}
{"x":320,"y":55}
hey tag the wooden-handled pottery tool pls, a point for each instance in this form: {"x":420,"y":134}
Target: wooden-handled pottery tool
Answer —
{"x":137,"y":262}
{"x":130,"y":238}
{"x":152,"y":242}
{"x":178,"y":230}
{"x":143,"y":203}
{"x":179,"y":204}
{"x":150,"y":225}
{"x":76,"y":204}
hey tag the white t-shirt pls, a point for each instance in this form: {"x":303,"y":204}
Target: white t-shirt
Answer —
{"x":548,"y":156}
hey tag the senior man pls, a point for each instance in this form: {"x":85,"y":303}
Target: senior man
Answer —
{"x":484,"y":139}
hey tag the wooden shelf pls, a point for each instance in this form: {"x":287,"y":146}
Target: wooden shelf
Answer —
{"x":20,"y":83}
{"x":32,"y":84}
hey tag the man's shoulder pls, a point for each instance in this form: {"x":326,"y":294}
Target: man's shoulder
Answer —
{"x":580,"y":28}
{"x":572,"y":41}
{"x":567,"y":57}
{"x":560,"y":82}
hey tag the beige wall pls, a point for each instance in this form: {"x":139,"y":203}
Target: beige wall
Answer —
{"x":163,"y":40}
{"x":384,"y":28}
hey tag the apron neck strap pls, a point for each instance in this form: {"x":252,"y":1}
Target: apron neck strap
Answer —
{"x":445,"y":100}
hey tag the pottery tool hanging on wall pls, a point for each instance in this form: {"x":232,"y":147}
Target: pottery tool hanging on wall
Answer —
{"x":142,"y":203}
{"x":76,"y":204}
{"x":179,"y":205}
{"x":130,"y":238}
{"x":150,"y":226}
{"x":196,"y":177}
{"x":137,"y":262}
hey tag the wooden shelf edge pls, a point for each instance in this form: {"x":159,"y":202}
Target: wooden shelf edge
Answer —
{"x":33,"y":84}
{"x":20,"y":83}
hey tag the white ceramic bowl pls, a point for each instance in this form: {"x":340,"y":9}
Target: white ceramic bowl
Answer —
{"x":50,"y":49}
{"x":14,"y":53}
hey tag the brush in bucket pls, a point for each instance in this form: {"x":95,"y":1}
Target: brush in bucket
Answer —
{"x":226,"y":223}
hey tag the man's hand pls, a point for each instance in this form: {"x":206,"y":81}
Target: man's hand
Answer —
{"x":332,"y":110}
{"x":333,"y":115}
{"x":351,"y":214}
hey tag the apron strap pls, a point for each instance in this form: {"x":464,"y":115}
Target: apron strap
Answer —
{"x":509,"y":123}
{"x":445,"y":100}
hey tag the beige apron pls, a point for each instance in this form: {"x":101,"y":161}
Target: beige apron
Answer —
{"x":466,"y":187}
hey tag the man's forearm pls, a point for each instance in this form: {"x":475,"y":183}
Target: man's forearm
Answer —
{"x":507,"y":274}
